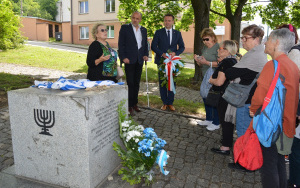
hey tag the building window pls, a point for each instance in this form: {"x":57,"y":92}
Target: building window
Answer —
{"x":84,"y":32}
{"x":83,"y":7}
{"x":111,"y":31}
{"x":110,"y":5}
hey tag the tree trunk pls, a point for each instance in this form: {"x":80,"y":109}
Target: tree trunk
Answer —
{"x":201,"y":14}
{"x":235,"y":23}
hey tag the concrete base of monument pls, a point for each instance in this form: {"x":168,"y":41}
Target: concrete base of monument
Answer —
{"x":65,"y":137}
{"x":9,"y":179}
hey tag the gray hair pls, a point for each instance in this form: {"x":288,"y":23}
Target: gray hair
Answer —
{"x":138,"y":13}
{"x":285,"y":37}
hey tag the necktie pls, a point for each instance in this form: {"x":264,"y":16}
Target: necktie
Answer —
{"x":168,"y":36}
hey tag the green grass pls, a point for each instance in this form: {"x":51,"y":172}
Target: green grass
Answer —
{"x":181,"y":105}
{"x":10,"y":82}
{"x":45,"y":57}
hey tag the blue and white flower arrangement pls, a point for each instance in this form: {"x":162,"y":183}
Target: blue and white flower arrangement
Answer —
{"x":142,"y":150}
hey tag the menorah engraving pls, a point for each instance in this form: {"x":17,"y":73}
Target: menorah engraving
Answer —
{"x":44,"y":119}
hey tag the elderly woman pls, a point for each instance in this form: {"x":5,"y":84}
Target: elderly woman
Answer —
{"x":294,"y":157}
{"x":246,"y":70}
{"x":273,"y":171}
{"x":101,"y":58}
{"x":209,"y":58}
{"x":227,"y":52}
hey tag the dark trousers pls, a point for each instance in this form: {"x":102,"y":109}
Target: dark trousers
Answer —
{"x":273,"y":172}
{"x":227,"y":128}
{"x":166,"y":96}
{"x":294,"y":158}
{"x":133,"y":78}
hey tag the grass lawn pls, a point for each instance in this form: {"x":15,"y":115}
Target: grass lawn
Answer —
{"x":10,"y":82}
{"x":46,"y":58}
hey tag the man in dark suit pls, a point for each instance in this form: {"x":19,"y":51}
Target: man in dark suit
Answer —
{"x":167,"y":39}
{"x":133,"y":51}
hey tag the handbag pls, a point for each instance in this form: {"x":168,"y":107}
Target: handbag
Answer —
{"x":205,"y":85}
{"x":120,"y":73}
{"x":247,"y":151}
{"x":236,"y":94}
{"x":213,"y":98}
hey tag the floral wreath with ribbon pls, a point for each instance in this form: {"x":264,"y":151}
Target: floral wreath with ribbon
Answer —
{"x":168,"y":70}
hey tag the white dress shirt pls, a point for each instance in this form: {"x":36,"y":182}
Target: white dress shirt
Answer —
{"x":138,"y":36}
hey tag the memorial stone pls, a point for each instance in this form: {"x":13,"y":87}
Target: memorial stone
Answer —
{"x":65,"y":137}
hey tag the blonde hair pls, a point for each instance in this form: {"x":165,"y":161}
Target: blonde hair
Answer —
{"x":209,"y":32}
{"x":230,"y":45}
{"x":95,"y":29}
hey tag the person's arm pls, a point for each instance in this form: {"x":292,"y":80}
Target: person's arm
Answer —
{"x":122,"y":43}
{"x":180,"y":44}
{"x":154,"y":45}
{"x":233,"y":73}
{"x":263,"y":84}
{"x":94,"y":54}
{"x":219,"y":81}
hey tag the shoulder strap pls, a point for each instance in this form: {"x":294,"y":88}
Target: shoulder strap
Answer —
{"x":295,"y":47}
{"x":254,"y":80}
{"x":273,"y":84}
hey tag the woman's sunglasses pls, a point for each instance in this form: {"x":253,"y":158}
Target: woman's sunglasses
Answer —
{"x":103,"y":30}
{"x":205,"y":39}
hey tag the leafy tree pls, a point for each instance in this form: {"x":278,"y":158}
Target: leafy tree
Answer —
{"x":10,"y":36}
{"x":281,"y":11}
{"x":36,"y":8}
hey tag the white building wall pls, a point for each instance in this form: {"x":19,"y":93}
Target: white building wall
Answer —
{"x":63,"y":11}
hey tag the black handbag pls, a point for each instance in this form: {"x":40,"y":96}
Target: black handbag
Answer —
{"x":213,"y":98}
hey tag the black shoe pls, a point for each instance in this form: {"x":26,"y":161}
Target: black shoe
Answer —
{"x":222,"y":152}
{"x":237,"y":166}
{"x":136,"y":108}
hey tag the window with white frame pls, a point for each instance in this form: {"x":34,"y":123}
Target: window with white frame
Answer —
{"x":110,"y":5}
{"x":83,"y":7}
{"x":84,"y":32}
{"x":111,"y":31}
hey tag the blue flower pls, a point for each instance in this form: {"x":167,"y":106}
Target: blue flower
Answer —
{"x":149,"y":133}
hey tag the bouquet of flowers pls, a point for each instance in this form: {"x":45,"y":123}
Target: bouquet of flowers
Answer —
{"x":142,"y":149}
{"x":168,"y":71}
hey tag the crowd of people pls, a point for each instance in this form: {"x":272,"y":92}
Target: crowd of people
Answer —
{"x":252,"y":69}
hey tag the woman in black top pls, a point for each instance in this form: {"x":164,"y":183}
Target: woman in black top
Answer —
{"x":227,"y":53}
{"x":101,"y":58}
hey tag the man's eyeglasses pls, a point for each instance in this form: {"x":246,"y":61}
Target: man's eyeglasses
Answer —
{"x":243,"y":38}
{"x":205,"y":39}
{"x":103,"y":30}
{"x":222,"y":48}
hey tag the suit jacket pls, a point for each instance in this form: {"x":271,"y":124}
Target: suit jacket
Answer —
{"x":128,"y":47}
{"x":160,"y":43}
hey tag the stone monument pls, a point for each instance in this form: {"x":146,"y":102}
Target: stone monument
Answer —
{"x":65,"y":137}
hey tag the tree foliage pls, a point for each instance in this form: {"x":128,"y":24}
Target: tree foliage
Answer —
{"x":36,"y":8}
{"x":153,"y":12}
{"x":10,"y":36}
{"x":281,"y":11}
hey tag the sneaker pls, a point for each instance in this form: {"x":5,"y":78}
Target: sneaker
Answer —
{"x":212,"y":127}
{"x":203,"y":122}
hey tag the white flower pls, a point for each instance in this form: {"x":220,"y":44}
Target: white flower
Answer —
{"x":140,"y":127}
{"x":137,"y":140}
{"x":124,"y":129}
{"x":132,"y":134}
